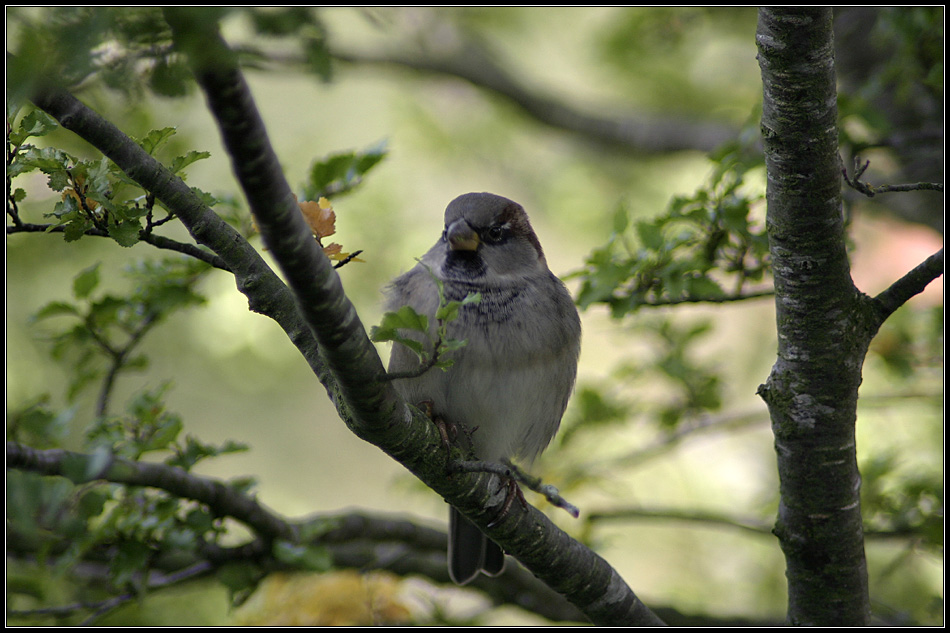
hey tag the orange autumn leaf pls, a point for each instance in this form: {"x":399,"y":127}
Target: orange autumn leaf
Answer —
{"x":319,"y":216}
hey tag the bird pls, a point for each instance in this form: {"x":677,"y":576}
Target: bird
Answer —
{"x":509,"y":385}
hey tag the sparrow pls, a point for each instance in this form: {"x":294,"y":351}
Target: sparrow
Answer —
{"x":510,"y":383}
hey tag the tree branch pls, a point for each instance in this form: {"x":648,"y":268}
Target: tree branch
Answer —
{"x":870,"y":191}
{"x":371,"y":407}
{"x":465,"y":59}
{"x":690,"y":516}
{"x":355,"y":540}
{"x":265,"y":291}
{"x":911,"y":284}
{"x":158,"y":241}
{"x":218,"y":496}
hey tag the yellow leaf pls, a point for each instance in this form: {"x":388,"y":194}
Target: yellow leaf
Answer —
{"x":335,"y":252}
{"x":71,"y":193}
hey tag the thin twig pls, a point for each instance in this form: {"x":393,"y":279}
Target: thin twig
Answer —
{"x":158,"y":241}
{"x":103,"y":607}
{"x":346,"y":260}
{"x":870,"y":191}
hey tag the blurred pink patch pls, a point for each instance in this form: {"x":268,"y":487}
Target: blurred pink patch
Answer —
{"x":886,"y":250}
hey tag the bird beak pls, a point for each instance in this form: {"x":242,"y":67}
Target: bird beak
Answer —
{"x":461,"y":237}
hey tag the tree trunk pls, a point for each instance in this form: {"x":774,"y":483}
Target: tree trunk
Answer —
{"x":823,"y":332}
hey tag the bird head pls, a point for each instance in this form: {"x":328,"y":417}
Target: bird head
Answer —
{"x":489,"y":238}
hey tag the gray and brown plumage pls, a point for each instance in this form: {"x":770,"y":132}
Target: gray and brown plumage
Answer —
{"x":511,"y":382}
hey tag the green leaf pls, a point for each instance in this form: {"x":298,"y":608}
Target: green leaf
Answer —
{"x":308,"y":557}
{"x":703,"y":287}
{"x":36,"y":123}
{"x":340,"y":173}
{"x":450,"y":311}
{"x":318,"y":56}
{"x":241,"y":579}
{"x":156,"y":138}
{"x":125,"y":232}
{"x":128,"y":560}
{"x":405,"y":318}
{"x":55,"y":308}
{"x":170,"y":77}
{"x":92,"y":502}
{"x":180,"y":162}
{"x":86,"y":281}
{"x":651,"y":235}
{"x":49,"y":160}
{"x":621,"y":219}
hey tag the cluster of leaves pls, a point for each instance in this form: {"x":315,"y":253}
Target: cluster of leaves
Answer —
{"x":702,"y":242}
{"x":103,"y":331}
{"x":127,"y":529}
{"x":916,"y":36}
{"x":410,"y":329}
{"x":900,"y":502}
{"x":341,"y":172}
{"x":335,"y":175}
{"x":92,"y":200}
{"x":681,"y":387}
{"x":98,"y":334}
{"x":129,"y":49}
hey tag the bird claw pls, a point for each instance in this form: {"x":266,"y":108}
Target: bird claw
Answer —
{"x":448,"y":431}
{"x":513,"y":492}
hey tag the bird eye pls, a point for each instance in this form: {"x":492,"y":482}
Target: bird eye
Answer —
{"x":494,"y":234}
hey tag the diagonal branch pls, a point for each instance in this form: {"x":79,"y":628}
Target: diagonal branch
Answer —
{"x":265,"y":291}
{"x":370,"y":406}
{"x":471,"y":63}
{"x":911,"y":284}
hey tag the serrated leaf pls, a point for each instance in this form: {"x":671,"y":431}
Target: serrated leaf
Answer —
{"x":49,"y":160}
{"x":125,"y":232}
{"x":453,"y":344}
{"x":450,"y":311}
{"x":180,"y":162}
{"x":405,"y":318}
{"x":36,"y":123}
{"x":156,"y":138}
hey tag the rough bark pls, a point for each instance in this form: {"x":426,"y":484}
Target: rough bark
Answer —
{"x":823,"y":328}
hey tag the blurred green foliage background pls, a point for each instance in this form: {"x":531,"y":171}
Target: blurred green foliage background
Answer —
{"x":235,"y":377}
